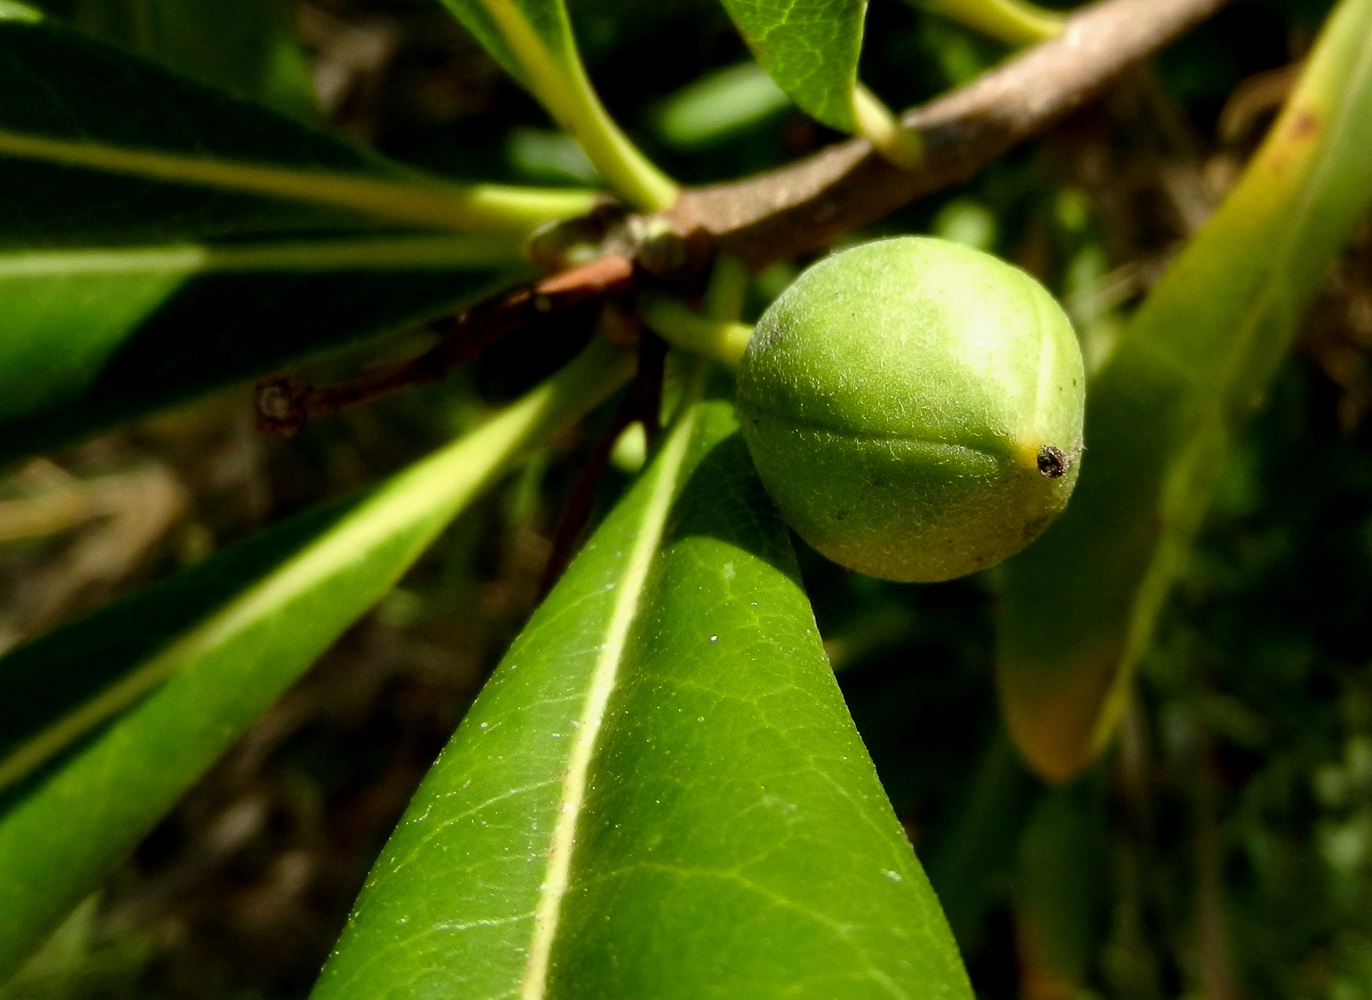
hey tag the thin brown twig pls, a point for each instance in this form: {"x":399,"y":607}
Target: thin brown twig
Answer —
{"x":285,"y":404}
{"x":804,"y":207}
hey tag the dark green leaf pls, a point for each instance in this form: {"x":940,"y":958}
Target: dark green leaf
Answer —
{"x":660,"y":793}
{"x":246,"y":47}
{"x":149,"y":256}
{"x":96,"y":336}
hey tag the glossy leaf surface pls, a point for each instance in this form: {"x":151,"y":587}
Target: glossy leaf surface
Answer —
{"x":810,"y":48}
{"x":106,"y":722}
{"x":660,"y":793}
{"x":148,"y":257}
{"x":1081,"y":604}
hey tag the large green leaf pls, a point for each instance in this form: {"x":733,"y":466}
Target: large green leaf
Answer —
{"x":533,"y":40}
{"x":161,"y":239}
{"x":660,"y":793}
{"x":1081,"y":604}
{"x":811,"y":49}
{"x":105,"y":723}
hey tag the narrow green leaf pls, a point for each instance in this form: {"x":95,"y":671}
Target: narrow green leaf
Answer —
{"x":1081,"y":604}
{"x":810,"y":48}
{"x":148,"y":257}
{"x":533,"y":40}
{"x":76,"y":168}
{"x":106,"y":722}
{"x":660,"y":793}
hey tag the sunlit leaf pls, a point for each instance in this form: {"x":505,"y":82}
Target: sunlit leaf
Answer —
{"x":104,"y":724}
{"x":660,"y":793}
{"x":1081,"y":604}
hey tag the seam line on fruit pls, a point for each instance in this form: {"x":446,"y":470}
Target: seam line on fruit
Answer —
{"x":882,"y":437}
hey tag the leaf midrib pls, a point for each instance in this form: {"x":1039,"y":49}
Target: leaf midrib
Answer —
{"x":604,"y":677}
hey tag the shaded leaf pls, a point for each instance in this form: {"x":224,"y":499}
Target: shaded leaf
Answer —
{"x":77,"y":168}
{"x":810,"y":48}
{"x":147,"y":257}
{"x":1061,"y":902}
{"x":1081,"y":604}
{"x":719,"y":106}
{"x":660,"y":793}
{"x":106,"y":722}
{"x":246,"y":48}
{"x":96,"y":336}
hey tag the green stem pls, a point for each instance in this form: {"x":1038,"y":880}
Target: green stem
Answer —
{"x":723,"y":340}
{"x":1014,"y":22}
{"x":560,"y":83}
{"x":900,"y":146}
{"x":727,"y":290}
{"x":619,"y":161}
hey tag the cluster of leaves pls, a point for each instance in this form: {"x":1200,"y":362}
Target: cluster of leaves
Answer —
{"x":660,"y":791}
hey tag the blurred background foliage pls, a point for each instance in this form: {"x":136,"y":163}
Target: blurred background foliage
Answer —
{"x":1224,"y":847}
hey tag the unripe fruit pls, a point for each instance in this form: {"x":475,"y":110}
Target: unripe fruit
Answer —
{"x":914,"y":408}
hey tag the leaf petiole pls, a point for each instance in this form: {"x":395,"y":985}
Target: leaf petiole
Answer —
{"x":722,"y":340}
{"x":560,"y":83}
{"x":1014,"y":22}
{"x":898,"y":145}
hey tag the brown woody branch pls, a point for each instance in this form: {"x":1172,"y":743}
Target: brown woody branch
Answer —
{"x":791,"y":211}
{"x":804,"y":207}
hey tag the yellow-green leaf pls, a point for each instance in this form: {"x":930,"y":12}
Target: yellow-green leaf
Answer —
{"x":1080,"y":606}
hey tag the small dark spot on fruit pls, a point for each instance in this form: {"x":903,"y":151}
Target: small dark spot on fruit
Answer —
{"x":1052,"y":462}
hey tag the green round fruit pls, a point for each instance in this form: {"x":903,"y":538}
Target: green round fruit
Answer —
{"x":914,"y":408}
